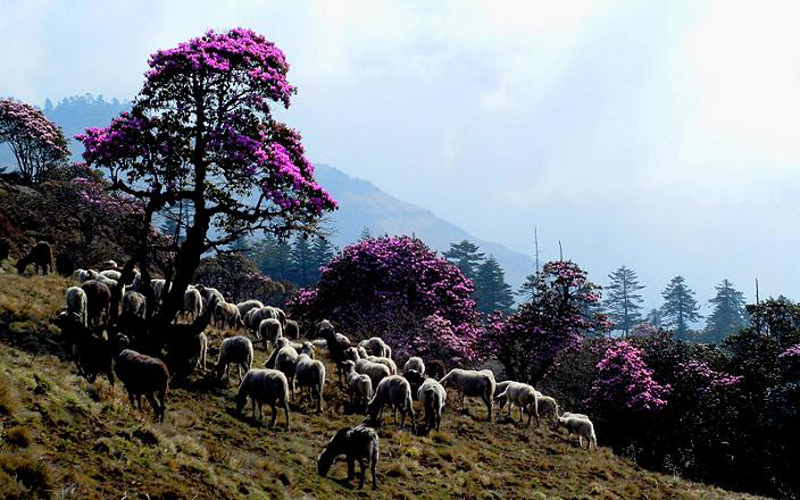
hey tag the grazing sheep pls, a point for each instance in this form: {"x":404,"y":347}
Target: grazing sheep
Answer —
{"x":357,"y":443}
{"x":499,"y":389}
{"x":247,"y":305}
{"x":524,"y":397}
{"x":41,"y":256}
{"x":227,"y":314}
{"x":471,"y":383}
{"x":77,"y":305}
{"x":567,"y":414}
{"x":85,"y":275}
{"x":254,"y":318}
{"x":285,"y":360}
{"x":292,"y":329}
{"x":387,"y":362}
{"x":415,"y":379}
{"x":134,"y":304}
{"x":269,"y":331}
{"x":432,"y":396}
{"x":336,"y":344}
{"x":310,"y":373}
{"x":235,"y":350}
{"x":548,"y":408}
{"x":183,"y":343}
{"x":377,"y":347}
{"x":263,"y":385}
{"x":375,"y":371}
{"x":359,"y":386}
{"x":111,"y":284}
{"x":280,"y":315}
{"x":94,"y":355}
{"x":64,"y":265}
{"x":581,"y":427}
{"x":351,"y":354}
{"x":319,"y":344}
{"x":394,"y":391}
{"x":111,"y":274}
{"x":208,"y":292}
{"x":142,"y":374}
{"x":416,"y":364}
{"x":98,"y":299}
{"x":192,"y":303}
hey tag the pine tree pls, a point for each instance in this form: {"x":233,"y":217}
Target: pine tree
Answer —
{"x":680,"y":308}
{"x":729,"y":315}
{"x":321,"y":252}
{"x":301,"y":262}
{"x":491,"y":290}
{"x":465,"y":255}
{"x":528,"y":289}
{"x":273,"y":258}
{"x":366,"y":234}
{"x":623,"y":302}
{"x":654,"y":318}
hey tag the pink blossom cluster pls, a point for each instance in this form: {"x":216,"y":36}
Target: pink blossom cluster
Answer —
{"x":24,"y":121}
{"x":94,"y":195}
{"x":792,"y":352}
{"x":624,"y":380}
{"x":707,"y":379}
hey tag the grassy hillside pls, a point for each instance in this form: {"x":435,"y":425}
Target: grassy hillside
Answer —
{"x":63,"y":437}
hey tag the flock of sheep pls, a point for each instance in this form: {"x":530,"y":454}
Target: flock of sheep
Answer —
{"x":365,"y":369}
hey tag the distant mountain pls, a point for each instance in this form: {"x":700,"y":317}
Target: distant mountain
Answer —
{"x":362,"y":204}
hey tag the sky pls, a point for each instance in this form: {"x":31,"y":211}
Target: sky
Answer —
{"x":658,"y":135}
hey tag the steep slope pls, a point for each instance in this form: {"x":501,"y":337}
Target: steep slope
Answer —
{"x":63,"y":437}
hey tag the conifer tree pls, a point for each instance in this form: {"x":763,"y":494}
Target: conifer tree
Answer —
{"x":321,"y":253}
{"x":466,"y":256}
{"x":729,"y":315}
{"x":680,"y":308}
{"x":491,"y":290}
{"x":623,"y":302}
{"x":301,"y":262}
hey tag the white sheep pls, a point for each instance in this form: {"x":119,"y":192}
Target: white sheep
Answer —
{"x":77,"y":305}
{"x":499,"y":389}
{"x":285,"y":360}
{"x":375,"y":371}
{"x":269,"y":331}
{"x":310,"y":373}
{"x":432,"y":396}
{"x":254,"y":317}
{"x":134,"y":304}
{"x":548,"y":407}
{"x":358,"y":443}
{"x":263,"y":385}
{"x":394,"y":391}
{"x":227,"y":314}
{"x":377,"y":347}
{"x":567,"y":414}
{"x":111,"y":274}
{"x":192,"y":303}
{"x":581,"y":427}
{"x":387,"y":362}
{"x":84,"y":275}
{"x":524,"y":397}
{"x":236,"y":350}
{"x":471,"y":383}
{"x":110,"y":283}
{"x":247,"y":305}
{"x":416,"y":364}
{"x":359,"y":385}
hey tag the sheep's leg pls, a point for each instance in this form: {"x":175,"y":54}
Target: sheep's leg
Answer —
{"x":286,"y":412}
{"x":254,"y":407}
{"x":351,"y":467}
{"x":580,"y":441}
{"x":488,"y":401}
{"x":374,"y":467}
{"x":154,"y":404}
{"x":131,"y":399}
{"x":274,"y":415}
{"x":363,"y":472}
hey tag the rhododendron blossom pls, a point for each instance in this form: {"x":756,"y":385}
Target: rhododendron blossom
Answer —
{"x":37,"y":143}
{"x":625,"y":381}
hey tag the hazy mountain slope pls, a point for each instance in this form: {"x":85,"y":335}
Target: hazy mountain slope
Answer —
{"x":364,"y":204}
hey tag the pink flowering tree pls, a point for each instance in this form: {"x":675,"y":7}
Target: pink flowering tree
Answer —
{"x":399,"y":289}
{"x":202,"y":132}
{"x":558,"y":317}
{"x":37,"y":143}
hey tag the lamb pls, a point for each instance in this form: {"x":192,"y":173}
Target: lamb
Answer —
{"x":310,"y":373}
{"x":247,"y":305}
{"x":292,"y":329}
{"x":416,"y":364}
{"x":270,"y":330}
{"x":41,"y":256}
{"x":77,"y":305}
{"x":432,"y":396}
{"x":98,"y":299}
{"x":395,"y":391}
{"x":134,"y":304}
{"x":111,"y":274}
{"x":524,"y":397}
{"x":375,"y":371}
{"x":581,"y":427}
{"x":263,"y":385}
{"x":85,"y":275}
{"x":471,"y":383}
{"x":359,"y":385}
{"x":235,"y":350}
{"x":142,"y":374}
{"x":357,"y":443}
{"x":377,"y":347}
{"x":192,"y":303}
{"x":285,"y":360}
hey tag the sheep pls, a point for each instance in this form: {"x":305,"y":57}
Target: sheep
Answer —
{"x":319,"y":343}
{"x":110,"y":283}
{"x":310,"y":373}
{"x":85,"y":275}
{"x":432,"y":396}
{"x":142,"y":374}
{"x":359,"y":385}
{"x":208,"y":292}
{"x":41,"y":256}
{"x":581,"y":427}
{"x":471,"y":383}
{"x":65,"y":265}
{"x":525,"y":398}
{"x":98,"y":299}
{"x":375,"y":371}
{"x":158,"y":286}
{"x":134,"y":304}
{"x":336,"y":344}
{"x":395,"y":391}
{"x":94,"y":355}
{"x":254,"y":318}
{"x":567,"y":414}
{"x":270,"y":330}
{"x":416,"y":364}
{"x":547,"y":407}
{"x":110,"y":264}
{"x":292,"y":329}
{"x":415,"y":379}
{"x":357,"y":443}
{"x":285,"y":360}
{"x":377,"y":347}
{"x":387,"y":362}
{"x":247,"y":305}
{"x":263,"y":385}
{"x":280,"y":315}
{"x":227,"y":314}
{"x":192,"y":303}
{"x":111,"y":274}
{"x":77,"y":305}
{"x":499,"y":389}
{"x":238,"y":350}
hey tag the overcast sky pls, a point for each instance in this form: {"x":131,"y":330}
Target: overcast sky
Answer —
{"x":660,"y":135}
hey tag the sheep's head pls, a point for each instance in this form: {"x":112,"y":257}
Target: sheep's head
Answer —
{"x":325,"y":328}
{"x":308,"y":348}
{"x":349,"y":366}
{"x":415,"y":379}
{"x":351,"y":354}
{"x":334,"y":448}
{"x":21,"y":265}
